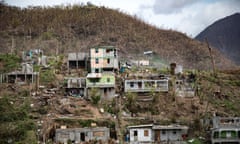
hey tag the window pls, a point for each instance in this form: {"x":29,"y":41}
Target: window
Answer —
{"x":105,"y":91}
{"x":174,"y":132}
{"x":108,"y":60}
{"x":108,"y":50}
{"x":216,"y":134}
{"x":108,"y":79}
{"x":135,"y":133}
{"x":96,"y":60}
{"x":131,"y":84}
{"x":96,"y":50}
{"x":163,"y":132}
{"x":96,"y":70}
{"x":146,"y":133}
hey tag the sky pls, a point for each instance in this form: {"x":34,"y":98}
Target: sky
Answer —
{"x":187,"y":16}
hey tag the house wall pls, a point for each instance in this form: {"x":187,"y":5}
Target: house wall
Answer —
{"x":82,"y":134}
{"x":140,"y":135}
{"x":106,"y":57}
{"x":171,"y":135}
{"x":107,"y":93}
{"x":107,"y":80}
{"x":76,"y":83}
{"x":146,"y":85}
{"x":225,"y":135}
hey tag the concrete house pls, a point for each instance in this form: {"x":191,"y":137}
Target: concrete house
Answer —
{"x":103,"y":58}
{"x":76,"y":86}
{"x":104,"y":82}
{"x":225,"y":130}
{"x":170,"y":134}
{"x":141,"y":134}
{"x":78,"y":135}
{"x":146,"y":85}
{"x":77,"y":60}
{"x":152,"y":133}
{"x":26,"y":75}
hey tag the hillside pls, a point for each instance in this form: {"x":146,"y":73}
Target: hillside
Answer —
{"x":224,"y":35}
{"x":63,"y":29}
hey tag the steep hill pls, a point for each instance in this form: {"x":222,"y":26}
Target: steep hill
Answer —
{"x":224,"y":35}
{"x":63,"y":29}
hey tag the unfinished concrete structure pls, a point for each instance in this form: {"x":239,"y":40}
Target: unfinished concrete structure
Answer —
{"x":77,"y":60}
{"x":226,"y":130}
{"x":103,"y":58}
{"x":104,"y":82}
{"x":184,"y":89}
{"x":78,"y":135}
{"x":146,"y":85}
{"x":152,"y":133}
{"x":26,"y":75}
{"x":34,"y":56}
{"x":76,"y":86}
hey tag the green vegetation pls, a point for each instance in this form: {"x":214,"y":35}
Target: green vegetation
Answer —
{"x":9,"y":62}
{"x":15,"y":124}
{"x":131,"y":102}
{"x":95,"y":96}
{"x":47,"y":76}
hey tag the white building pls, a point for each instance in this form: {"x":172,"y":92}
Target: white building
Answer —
{"x":150,"y":133}
{"x":140,"y":134}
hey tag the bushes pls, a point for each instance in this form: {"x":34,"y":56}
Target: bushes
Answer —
{"x":9,"y":62}
{"x":14,"y":120}
{"x":95,"y":96}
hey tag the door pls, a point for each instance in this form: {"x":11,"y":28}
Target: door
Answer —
{"x":82,"y":136}
{"x":157,"y":135}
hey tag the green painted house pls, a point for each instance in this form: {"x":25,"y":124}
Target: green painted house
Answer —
{"x":104,"y":82}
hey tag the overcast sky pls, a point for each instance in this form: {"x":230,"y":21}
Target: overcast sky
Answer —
{"x":187,"y":16}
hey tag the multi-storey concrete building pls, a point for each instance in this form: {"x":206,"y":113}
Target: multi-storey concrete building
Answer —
{"x":103,"y":58}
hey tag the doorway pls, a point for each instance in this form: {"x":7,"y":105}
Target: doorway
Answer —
{"x":82,"y":136}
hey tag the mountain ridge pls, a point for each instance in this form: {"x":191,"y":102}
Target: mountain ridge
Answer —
{"x":224,"y":35}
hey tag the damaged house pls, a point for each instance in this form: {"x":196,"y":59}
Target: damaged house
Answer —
{"x":76,"y":86}
{"x":34,"y":56}
{"x":78,"y":135}
{"x":103,"y":63}
{"x":146,"y":83}
{"x":103,"y":59}
{"x":26,"y":75}
{"x":77,"y":61}
{"x":152,"y":133}
{"x":104,"y":82}
{"x":225,"y":130}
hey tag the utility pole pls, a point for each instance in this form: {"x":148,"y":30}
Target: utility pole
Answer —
{"x":212,"y":58}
